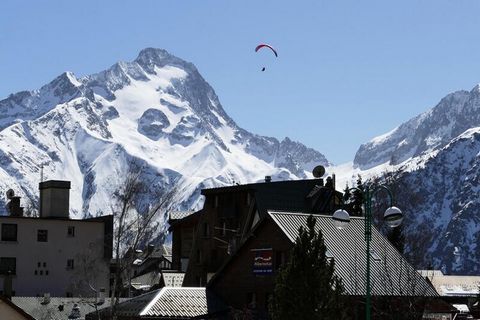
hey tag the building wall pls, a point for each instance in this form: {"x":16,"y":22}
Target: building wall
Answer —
{"x":239,"y":273}
{"x":182,"y":242}
{"x":222,"y":211}
{"x":34,"y":259}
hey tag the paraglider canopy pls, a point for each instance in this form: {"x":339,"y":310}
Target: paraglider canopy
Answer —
{"x":264,"y":45}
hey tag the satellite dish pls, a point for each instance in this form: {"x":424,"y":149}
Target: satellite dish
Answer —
{"x":318,"y":171}
{"x":10,"y":193}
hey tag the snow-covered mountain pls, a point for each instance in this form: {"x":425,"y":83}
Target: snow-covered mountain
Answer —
{"x":435,"y":161}
{"x":157,"y":111}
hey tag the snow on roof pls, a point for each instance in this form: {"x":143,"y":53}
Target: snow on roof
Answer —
{"x":462,"y":308}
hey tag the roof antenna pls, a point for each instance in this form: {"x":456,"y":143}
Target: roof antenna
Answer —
{"x":41,"y":173}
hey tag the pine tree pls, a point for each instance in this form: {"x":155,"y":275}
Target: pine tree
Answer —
{"x":306,"y":287}
{"x":347,"y":198}
{"x":356,"y":206}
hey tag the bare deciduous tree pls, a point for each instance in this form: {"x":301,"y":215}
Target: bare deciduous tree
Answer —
{"x":135,"y":224}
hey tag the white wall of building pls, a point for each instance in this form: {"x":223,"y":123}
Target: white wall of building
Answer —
{"x":34,"y":259}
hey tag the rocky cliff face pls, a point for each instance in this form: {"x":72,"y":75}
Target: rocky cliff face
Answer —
{"x":435,"y":160}
{"x":156,"y":111}
{"x":426,"y":133}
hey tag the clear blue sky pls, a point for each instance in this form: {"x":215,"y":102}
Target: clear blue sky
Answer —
{"x":347,"y":70}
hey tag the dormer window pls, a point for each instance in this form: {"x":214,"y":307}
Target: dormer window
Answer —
{"x":375,"y":256}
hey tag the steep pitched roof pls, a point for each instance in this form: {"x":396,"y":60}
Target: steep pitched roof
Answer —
{"x":154,"y":278}
{"x":453,"y":285}
{"x":391,"y":274}
{"x":58,"y":308}
{"x":172,"y":303}
{"x":183,"y":302}
{"x":15,"y":308}
{"x":184,"y":218}
{"x":177,"y":215}
{"x":146,"y":281}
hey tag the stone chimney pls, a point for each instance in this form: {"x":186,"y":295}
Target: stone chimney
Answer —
{"x":14,"y":207}
{"x":54,"y":199}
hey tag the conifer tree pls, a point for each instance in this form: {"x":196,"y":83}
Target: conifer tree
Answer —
{"x":347,"y":198}
{"x":356,"y":209}
{"x":306,"y":287}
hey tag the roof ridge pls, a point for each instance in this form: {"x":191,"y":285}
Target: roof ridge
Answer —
{"x":152,"y":302}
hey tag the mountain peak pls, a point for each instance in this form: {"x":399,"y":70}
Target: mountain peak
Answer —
{"x":153,"y":54}
{"x":149,"y":58}
{"x":65,"y":78}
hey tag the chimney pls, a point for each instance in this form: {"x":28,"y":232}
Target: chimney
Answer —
{"x":101,"y":296}
{"x":46,"y":298}
{"x":150,"y":249}
{"x":268,"y":179}
{"x":14,"y":207}
{"x":54,"y":199}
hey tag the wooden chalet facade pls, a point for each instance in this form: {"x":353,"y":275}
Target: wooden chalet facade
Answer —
{"x":221,"y":243}
{"x":229,"y":215}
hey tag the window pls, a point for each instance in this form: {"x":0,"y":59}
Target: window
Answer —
{"x":36,"y":272}
{"x":42,"y":235}
{"x":44,"y":264}
{"x":8,"y":265}
{"x":46,"y":272}
{"x":70,"y":264}
{"x":375,"y":256}
{"x":71,"y":231}
{"x":9,"y":232}
{"x":206,"y":229}
{"x":39,"y":264}
{"x":41,"y":272}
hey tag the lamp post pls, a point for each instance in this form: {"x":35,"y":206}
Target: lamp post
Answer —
{"x":393,"y":218}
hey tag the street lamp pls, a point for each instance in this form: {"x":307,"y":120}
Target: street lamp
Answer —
{"x":393,"y":218}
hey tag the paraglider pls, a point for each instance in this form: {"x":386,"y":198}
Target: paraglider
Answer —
{"x":264,"y":45}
